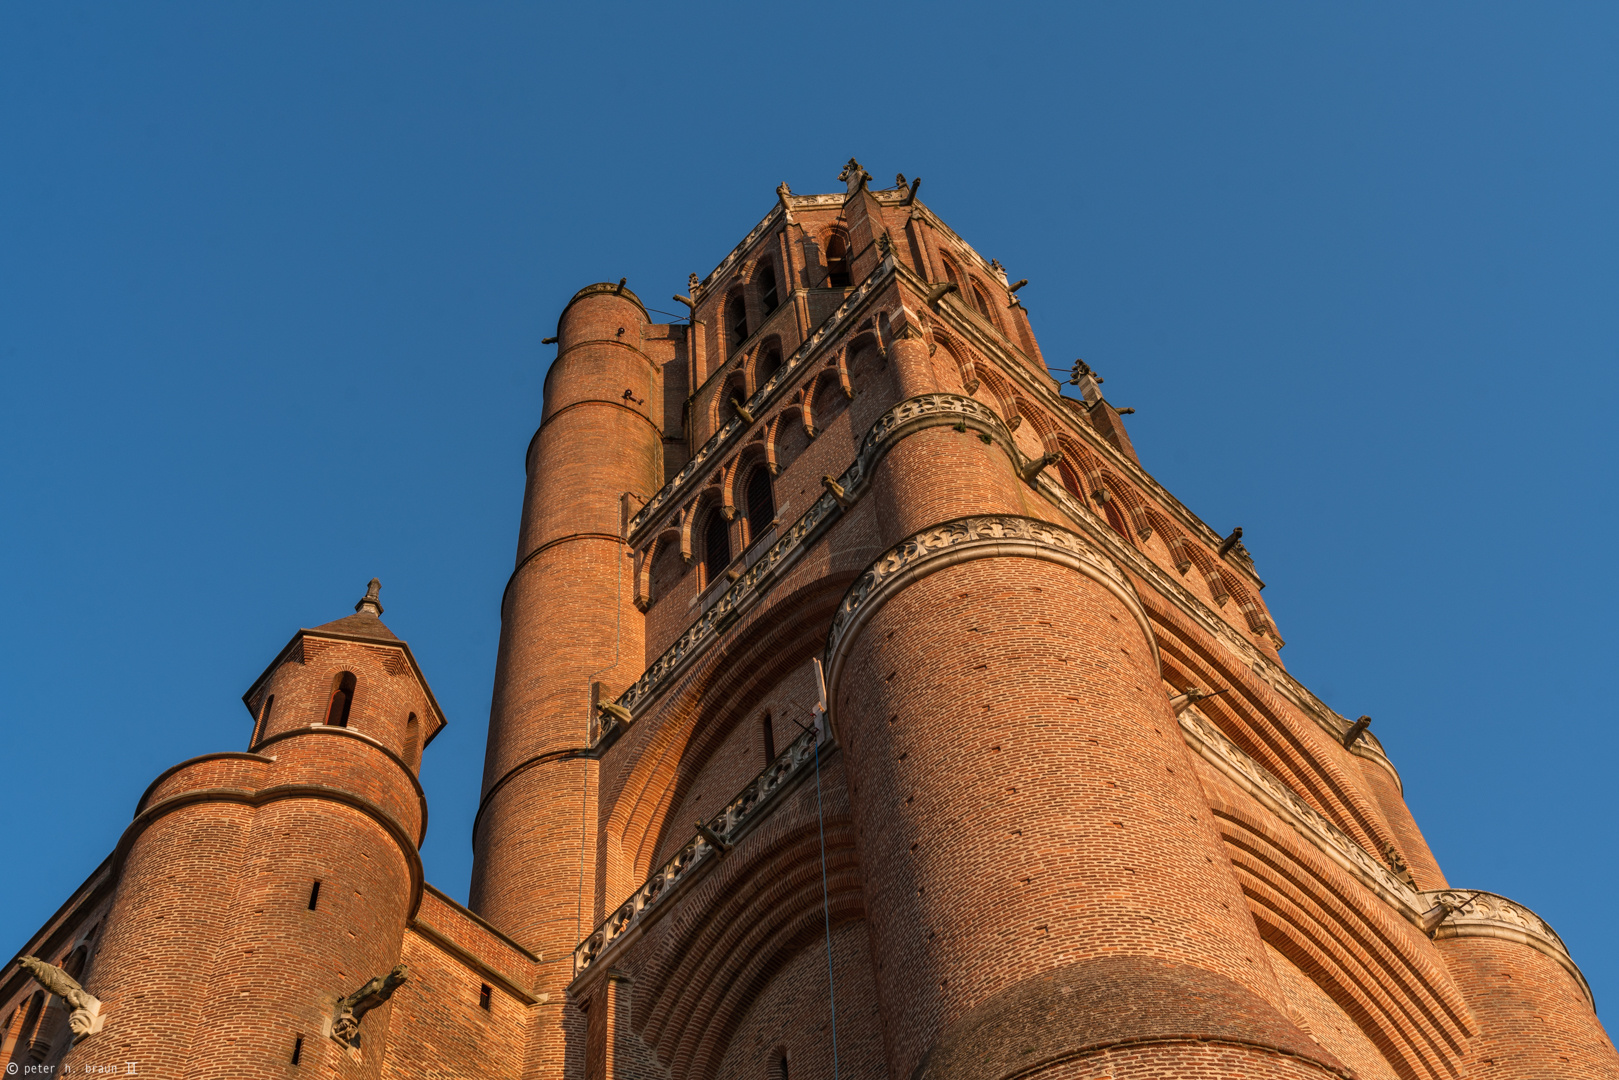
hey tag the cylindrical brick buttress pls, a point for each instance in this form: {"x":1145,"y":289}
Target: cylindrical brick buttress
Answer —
{"x":1040,"y":864}
{"x":220,"y":954}
{"x":1535,"y":1019}
{"x":568,"y":621}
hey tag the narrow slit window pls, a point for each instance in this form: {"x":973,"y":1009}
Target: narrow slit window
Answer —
{"x":769,"y":364}
{"x":337,"y":711}
{"x":264,"y":721}
{"x":767,"y":288}
{"x":737,"y":313}
{"x":768,"y":730}
{"x":314,"y":895}
{"x":837,"y":264}
{"x":761,"y":504}
{"x":297,"y":1049}
{"x":484,"y":996}
{"x":716,"y":546}
{"x":981,"y":302}
{"x":412,"y":741}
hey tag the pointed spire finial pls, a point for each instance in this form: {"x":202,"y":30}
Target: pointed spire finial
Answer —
{"x":369,"y":602}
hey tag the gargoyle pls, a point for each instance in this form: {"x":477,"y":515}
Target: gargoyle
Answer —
{"x":85,"y":1019}
{"x":351,"y":1010}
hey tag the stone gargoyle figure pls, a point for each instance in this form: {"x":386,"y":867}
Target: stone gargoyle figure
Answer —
{"x":352,"y":1009}
{"x":85,"y":1017}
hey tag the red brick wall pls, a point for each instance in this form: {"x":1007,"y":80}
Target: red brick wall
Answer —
{"x":1534,"y":1022}
{"x":1023,"y":797}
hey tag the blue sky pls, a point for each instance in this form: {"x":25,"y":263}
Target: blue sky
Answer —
{"x":273,"y":280}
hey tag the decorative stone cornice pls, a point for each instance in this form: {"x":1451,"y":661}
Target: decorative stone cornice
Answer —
{"x":985,"y":536}
{"x":1264,"y":668}
{"x":741,"y":814}
{"x":1485,"y":914}
{"x":909,"y":416}
{"x":1247,"y":774}
{"x":965,"y":322}
{"x":756,"y":405}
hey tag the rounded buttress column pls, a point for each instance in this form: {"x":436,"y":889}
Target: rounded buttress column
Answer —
{"x":568,"y":620}
{"x":1533,"y":1008}
{"x":1041,"y":869}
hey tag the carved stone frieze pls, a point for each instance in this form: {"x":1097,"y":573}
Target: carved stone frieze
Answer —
{"x":1485,"y":914}
{"x":744,"y":811}
{"x":908,"y":416}
{"x":1263,"y":668}
{"x":985,"y":536}
{"x":755,"y":405}
{"x":1226,"y":756}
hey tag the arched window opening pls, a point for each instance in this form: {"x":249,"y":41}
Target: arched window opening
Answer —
{"x":950,"y":272}
{"x":716,"y":546}
{"x":29,"y":1031}
{"x":413,"y":736}
{"x":767,"y":288}
{"x":1114,"y":518}
{"x":768,"y":731}
{"x":264,"y":721}
{"x":337,"y":711}
{"x":736,"y":317}
{"x":837,"y":264}
{"x":769,"y":364}
{"x":779,"y":1072}
{"x":761,"y":504}
{"x":980,"y":301}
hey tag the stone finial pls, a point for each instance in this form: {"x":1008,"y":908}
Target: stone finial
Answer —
{"x":85,"y":1018}
{"x":854,"y":175}
{"x":369,"y":602}
{"x":899,"y":180}
{"x":693,"y":283}
{"x":350,"y":1010}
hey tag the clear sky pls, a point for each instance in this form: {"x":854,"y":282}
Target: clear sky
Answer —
{"x":273,"y":281}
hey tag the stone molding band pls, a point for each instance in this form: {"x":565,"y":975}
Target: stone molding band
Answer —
{"x":906,"y":418}
{"x":522,"y":563}
{"x":985,"y":536}
{"x":1480,"y":914}
{"x":572,"y":753}
{"x":790,"y":369}
{"x":1486,"y":914}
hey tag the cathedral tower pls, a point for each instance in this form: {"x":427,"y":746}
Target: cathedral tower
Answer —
{"x":864,"y":708}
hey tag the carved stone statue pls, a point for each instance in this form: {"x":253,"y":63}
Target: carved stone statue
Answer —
{"x":85,"y":1018}
{"x":1396,"y":863}
{"x":351,"y":1010}
{"x":854,"y":175}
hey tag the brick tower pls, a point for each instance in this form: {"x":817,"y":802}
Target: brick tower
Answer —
{"x":863,"y":708}
{"x":254,"y":889}
{"x":1072,"y":816}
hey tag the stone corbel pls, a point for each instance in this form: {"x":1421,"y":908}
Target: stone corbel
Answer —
{"x":843,"y":373}
{"x":85,"y":1017}
{"x":685,"y":532}
{"x":1033,"y":468}
{"x":343,"y":1024}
